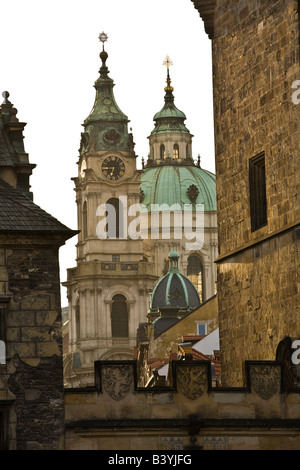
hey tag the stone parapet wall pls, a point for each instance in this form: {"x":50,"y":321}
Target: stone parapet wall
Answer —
{"x":116,"y":414}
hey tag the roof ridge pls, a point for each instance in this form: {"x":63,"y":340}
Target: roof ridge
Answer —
{"x":21,"y":204}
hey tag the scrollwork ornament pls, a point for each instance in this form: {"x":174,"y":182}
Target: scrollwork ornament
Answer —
{"x":191,"y":381}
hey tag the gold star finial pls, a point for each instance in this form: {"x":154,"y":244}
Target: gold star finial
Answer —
{"x":103,"y":37}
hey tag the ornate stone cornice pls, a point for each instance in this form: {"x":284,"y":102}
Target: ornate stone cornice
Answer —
{"x":206,"y":9}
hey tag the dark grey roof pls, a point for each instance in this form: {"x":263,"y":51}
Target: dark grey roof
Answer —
{"x":175,"y":290}
{"x":21,"y":214}
{"x":6,"y":159}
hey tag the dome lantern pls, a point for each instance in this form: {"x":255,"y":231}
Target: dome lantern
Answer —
{"x":174,"y":295}
{"x":170,"y":141}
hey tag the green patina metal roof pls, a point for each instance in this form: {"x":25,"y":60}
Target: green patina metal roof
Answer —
{"x":169,"y":118}
{"x":169,"y":184}
{"x":174,"y":290}
{"x":106,"y":125}
{"x":105,"y":107}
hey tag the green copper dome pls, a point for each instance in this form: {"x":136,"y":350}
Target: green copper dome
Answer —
{"x":106,"y":126}
{"x":174,"y":294}
{"x":175,"y":184}
{"x":105,"y":107}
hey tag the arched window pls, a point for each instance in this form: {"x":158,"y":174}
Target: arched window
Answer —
{"x":195,"y":274}
{"x":187,"y":151}
{"x":162,"y":152}
{"x":175,"y":151}
{"x":114,"y":214}
{"x":119,"y":317}
{"x":77,"y":320}
{"x":84,"y":220}
{"x":291,"y":372}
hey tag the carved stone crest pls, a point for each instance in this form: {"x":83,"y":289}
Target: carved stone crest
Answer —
{"x":191,"y":380}
{"x":192,"y":193}
{"x":265,"y":380}
{"x":111,"y":136}
{"x":117,"y":380}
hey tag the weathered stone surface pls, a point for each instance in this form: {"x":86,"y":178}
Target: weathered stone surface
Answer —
{"x":39,"y":405}
{"x":34,"y":348}
{"x":255,"y":62}
{"x":154,"y":419}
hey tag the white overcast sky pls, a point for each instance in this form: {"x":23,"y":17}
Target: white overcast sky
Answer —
{"x":49,"y":61}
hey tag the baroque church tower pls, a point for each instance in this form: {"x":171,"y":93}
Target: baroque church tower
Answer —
{"x":127,"y":229}
{"x":184,"y":194}
{"x":108,"y":291}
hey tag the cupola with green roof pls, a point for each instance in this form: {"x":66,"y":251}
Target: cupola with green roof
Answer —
{"x":174,"y":295}
{"x":170,"y":140}
{"x":171,"y":176}
{"x":106,"y":126}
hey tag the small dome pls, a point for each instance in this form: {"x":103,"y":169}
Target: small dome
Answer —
{"x":174,"y":293}
{"x":169,"y":119}
{"x":175,"y":184}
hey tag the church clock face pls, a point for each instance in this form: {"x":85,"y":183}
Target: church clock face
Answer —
{"x":113,"y":168}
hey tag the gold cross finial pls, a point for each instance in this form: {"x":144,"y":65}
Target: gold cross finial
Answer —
{"x":167,"y":62}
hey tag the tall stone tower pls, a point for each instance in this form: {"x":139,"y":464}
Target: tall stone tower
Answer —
{"x":256,"y":73}
{"x":108,"y":291}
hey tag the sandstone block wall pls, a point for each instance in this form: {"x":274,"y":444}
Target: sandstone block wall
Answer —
{"x":255,"y":62}
{"x":255,"y":50}
{"x":31,"y":381}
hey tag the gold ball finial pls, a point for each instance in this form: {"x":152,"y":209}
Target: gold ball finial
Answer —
{"x":103,"y":38}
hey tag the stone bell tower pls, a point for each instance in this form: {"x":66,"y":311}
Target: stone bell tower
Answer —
{"x":109,"y":288}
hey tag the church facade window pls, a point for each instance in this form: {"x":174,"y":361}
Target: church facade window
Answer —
{"x":84,"y":220}
{"x":114,"y":214}
{"x":187,"y":151}
{"x":176,"y":151}
{"x":119,"y":317}
{"x":195,"y":274}
{"x":162,"y":152}
{"x":77,"y":320}
{"x":257,"y":188}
